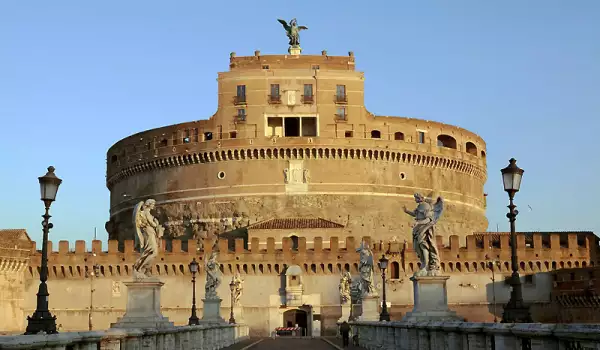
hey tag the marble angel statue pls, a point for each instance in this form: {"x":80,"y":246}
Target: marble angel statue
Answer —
{"x":366,"y":270}
{"x":213,"y":276}
{"x":238,"y":288}
{"x":345,"y":281}
{"x":426,"y":217}
{"x":148,"y":231}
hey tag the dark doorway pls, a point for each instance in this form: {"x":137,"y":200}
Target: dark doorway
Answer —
{"x":292,"y":127}
{"x":291,"y":318}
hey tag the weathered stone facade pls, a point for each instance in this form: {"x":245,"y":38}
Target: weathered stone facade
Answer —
{"x":263,"y":264}
{"x":291,"y":138}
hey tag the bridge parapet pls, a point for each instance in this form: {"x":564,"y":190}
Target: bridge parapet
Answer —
{"x":474,"y":336}
{"x":213,"y":336}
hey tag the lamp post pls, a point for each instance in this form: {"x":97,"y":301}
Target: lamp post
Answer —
{"x":92,"y":275}
{"x":384,"y":315}
{"x":515,"y":311}
{"x":231,"y":288}
{"x":194,"y":269}
{"x":42,"y":320}
{"x":493,"y":264}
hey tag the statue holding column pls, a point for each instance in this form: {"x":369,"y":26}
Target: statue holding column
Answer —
{"x":213,"y":276}
{"x":345,"y":280}
{"x":366,"y":270}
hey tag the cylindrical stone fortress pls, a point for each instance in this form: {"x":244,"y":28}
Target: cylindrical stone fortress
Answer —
{"x":291,"y":138}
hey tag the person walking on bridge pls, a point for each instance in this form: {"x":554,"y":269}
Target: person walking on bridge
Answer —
{"x":345,"y":332}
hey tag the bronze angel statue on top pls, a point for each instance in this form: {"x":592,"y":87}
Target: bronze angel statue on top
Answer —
{"x":293,"y":31}
{"x":426,"y":217}
{"x":147,"y":233}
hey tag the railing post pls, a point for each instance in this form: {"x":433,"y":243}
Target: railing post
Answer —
{"x":473,"y":333}
{"x":423,"y":336}
{"x":540,"y":335}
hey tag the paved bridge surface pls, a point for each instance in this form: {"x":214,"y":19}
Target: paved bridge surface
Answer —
{"x":291,"y":343}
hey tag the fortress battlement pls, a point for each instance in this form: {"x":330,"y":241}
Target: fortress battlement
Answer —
{"x":308,"y":62}
{"x":537,"y":252}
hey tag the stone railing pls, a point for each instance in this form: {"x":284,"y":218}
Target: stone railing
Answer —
{"x":476,"y":336}
{"x":205,"y":337}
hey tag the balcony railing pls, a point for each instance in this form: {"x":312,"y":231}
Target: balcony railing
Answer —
{"x":308,"y":99}
{"x":240,"y":118}
{"x":341,"y":117}
{"x":239,"y":100}
{"x":274,"y":99}
{"x":341,"y":99}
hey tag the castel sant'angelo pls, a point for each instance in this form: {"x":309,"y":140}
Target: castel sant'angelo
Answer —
{"x":288,"y":176}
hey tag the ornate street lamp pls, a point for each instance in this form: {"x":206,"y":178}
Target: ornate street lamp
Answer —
{"x":515,"y":311}
{"x":42,"y":321}
{"x":384,"y":315}
{"x":231,"y":288}
{"x":194,"y":269}
{"x":92,"y":275}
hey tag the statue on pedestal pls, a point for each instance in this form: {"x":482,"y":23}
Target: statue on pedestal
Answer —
{"x":213,"y":276}
{"x":366,"y":270}
{"x":148,"y":231}
{"x":238,"y":288}
{"x":426,"y":217}
{"x":292,"y":31}
{"x":345,"y":280}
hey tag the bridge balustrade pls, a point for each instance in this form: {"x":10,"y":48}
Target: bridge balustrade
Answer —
{"x":205,"y":337}
{"x":475,"y":336}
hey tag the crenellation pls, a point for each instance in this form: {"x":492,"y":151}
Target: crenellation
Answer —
{"x":128,"y":247}
{"x":255,"y":245}
{"x":334,"y":244}
{"x":318,"y":245}
{"x":113,"y":246}
{"x":63,"y":247}
{"x":80,"y":247}
{"x":96,"y":246}
{"x":302,"y":245}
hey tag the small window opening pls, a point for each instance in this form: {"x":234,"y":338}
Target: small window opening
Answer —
{"x":348,"y":134}
{"x":292,"y":127}
{"x":208,"y":136}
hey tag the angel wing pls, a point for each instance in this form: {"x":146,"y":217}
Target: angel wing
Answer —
{"x":302,"y":27}
{"x":438,"y":209}
{"x":139,"y":237}
{"x":284,"y":24}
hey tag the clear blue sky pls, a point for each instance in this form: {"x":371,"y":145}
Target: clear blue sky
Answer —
{"x":77,"y":76}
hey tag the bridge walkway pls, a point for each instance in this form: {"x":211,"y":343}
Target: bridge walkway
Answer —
{"x":291,"y":343}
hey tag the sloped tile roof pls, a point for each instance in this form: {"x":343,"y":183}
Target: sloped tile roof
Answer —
{"x":14,"y":234}
{"x":294,"y":223}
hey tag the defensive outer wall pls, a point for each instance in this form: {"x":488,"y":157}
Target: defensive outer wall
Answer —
{"x":291,"y":138}
{"x":263,"y":263}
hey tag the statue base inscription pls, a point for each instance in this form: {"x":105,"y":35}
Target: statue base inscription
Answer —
{"x":370,"y":311}
{"x":143,"y":306}
{"x":295,"y":50}
{"x":346,"y":308}
{"x":431,"y":300}
{"x":212,"y":310}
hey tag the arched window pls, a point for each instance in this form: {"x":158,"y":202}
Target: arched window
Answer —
{"x":482,"y":154}
{"x":294,"y":242}
{"x":446,"y":141}
{"x":471,"y":148}
{"x":398,"y":136}
{"x":395,"y":270}
{"x":375,"y":134}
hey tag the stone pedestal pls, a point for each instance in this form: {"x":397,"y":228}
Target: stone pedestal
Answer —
{"x":295,"y":50}
{"x":370,"y":311}
{"x":212,"y":310}
{"x":431,"y":300}
{"x":346,"y":309}
{"x":143,"y":306}
{"x":238,"y":313}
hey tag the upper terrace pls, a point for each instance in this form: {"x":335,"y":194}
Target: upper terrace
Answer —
{"x":314,"y":62}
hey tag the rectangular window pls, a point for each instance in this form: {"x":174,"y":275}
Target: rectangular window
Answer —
{"x":275,"y":90}
{"x":340,"y":92}
{"x":308,"y":94}
{"x":241,"y":114}
{"x":240,"y":97}
{"x":274,"y":127}
{"x":341,"y":113}
{"x":421,"y":137}
{"x":309,"y":126}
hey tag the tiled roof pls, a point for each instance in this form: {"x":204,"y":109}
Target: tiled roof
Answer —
{"x":294,"y":223}
{"x":14,"y":234}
